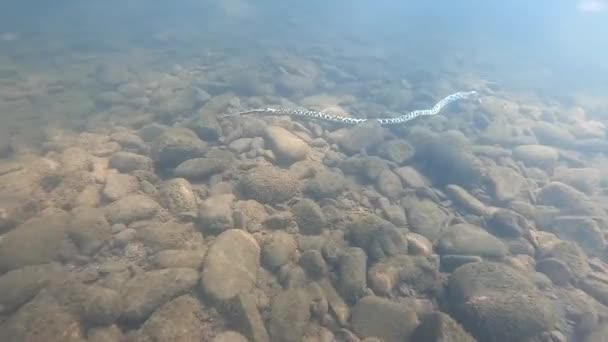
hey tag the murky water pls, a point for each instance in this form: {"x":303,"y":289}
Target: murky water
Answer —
{"x":197,"y":171}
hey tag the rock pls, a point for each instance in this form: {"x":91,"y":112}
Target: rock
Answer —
{"x":180,"y":101}
{"x":586,"y":180}
{"x":174,"y":258}
{"x":175,"y":145}
{"x":438,"y":327}
{"x":588,"y":129}
{"x":252,"y":212}
{"x":543,"y":157}
{"x":288,"y":147}
{"x":88,"y":229}
{"x":119,"y":185}
{"x":206,"y":126}
{"x":484,"y":296}
{"x":325,"y":184}
{"x":427,"y":219}
{"x":448,"y":151}
{"x":131,"y":208}
{"x":563,"y":196}
{"x":418,"y":273}
{"x":389,"y":184}
{"x":289,"y":315}
{"x":39,"y":240}
{"x":313,"y":263}
{"x":361,"y":137}
{"x":337,"y":305}
{"x":553,"y":135}
{"x":596,"y":288}
{"x":111,"y":333}
{"x":278,"y":249}
{"x":229,"y":336}
{"x":231,"y":265}
{"x":245,"y":314}
{"x":582,"y":230}
{"x":151,"y":132}
{"x":378,"y":237}
{"x":215,"y":214}
{"x":556,"y":270}
{"x":464,"y":199}
{"x":142,"y":294}
{"x":353,"y":273}
{"x":42,"y":319}
{"x":384,"y":319}
{"x":19,"y":286}
{"x":468,"y":239}
{"x":240,"y":145}
{"x":598,"y":334}
{"x":369,"y":168}
{"x":201,"y":168}
{"x":177,"y":196}
{"x":268,"y":185}
{"x":177,"y":320}
{"x":418,"y":244}
{"x":449,"y":262}
{"x":395,"y":214}
{"x":127,"y":161}
{"x":396,"y":150}
{"x":507,"y":223}
{"x":309,"y":217}
{"x":95,"y":304}
{"x":129,"y":141}
{"x":169,"y":235}
{"x":571,"y":255}
{"x":411,"y":178}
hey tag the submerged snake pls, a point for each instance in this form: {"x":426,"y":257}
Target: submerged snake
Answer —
{"x":353,"y":121}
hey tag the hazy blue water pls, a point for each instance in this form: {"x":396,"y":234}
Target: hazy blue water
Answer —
{"x":508,"y":35}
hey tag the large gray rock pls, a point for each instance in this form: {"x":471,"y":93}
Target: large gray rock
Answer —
{"x":142,"y":294}
{"x":384,"y":319}
{"x":426,"y":218}
{"x":353,"y":273}
{"x":177,"y":320}
{"x":497,"y":303}
{"x":174,"y":145}
{"x":278,"y":249}
{"x":268,"y":185}
{"x":309,"y":217}
{"x":128,"y":161}
{"x":361,"y":137}
{"x":20,"y":285}
{"x":288,"y":147}
{"x":215,"y":214}
{"x":177,"y":195}
{"x":119,"y":185}
{"x":468,"y":239}
{"x":201,"y":168}
{"x":231,"y":265}
{"x":131,"y":208}
{"x":540,"y":156}
{"x":289,"y":315}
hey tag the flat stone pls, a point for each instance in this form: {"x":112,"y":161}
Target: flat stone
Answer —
{"x":142,"y":294}
{"x":131,"y":208}
{"x":384,"y":319}
{"x":231,"y":265}
{"x":288,"y":147}
{"x":540,"y":156}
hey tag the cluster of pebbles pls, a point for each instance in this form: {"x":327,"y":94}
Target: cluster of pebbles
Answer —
{"x":265,"y":229}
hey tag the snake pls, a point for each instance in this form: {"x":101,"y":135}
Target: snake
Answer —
{"x":462,"y":95}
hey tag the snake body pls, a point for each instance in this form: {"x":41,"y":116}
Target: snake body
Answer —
{"x":353,"y":121}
